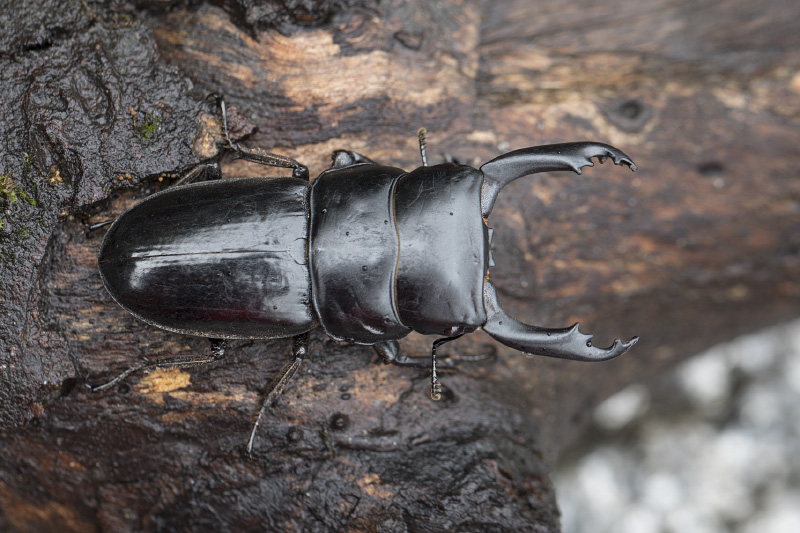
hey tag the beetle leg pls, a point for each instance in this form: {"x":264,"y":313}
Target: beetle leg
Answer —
{"x":389,"y":352}
{"x":504,"y":169}
{"x":257,"y":155}
{"x":201,"y":172}
{"x":299,"y":351}
{"x":346,"y":158}
{"x":98,"y":225}
{"x":216,"y":353}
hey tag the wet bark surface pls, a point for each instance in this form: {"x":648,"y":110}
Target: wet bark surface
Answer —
{"x":100,"y":101}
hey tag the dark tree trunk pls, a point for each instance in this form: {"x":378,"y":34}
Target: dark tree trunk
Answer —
{"x":96,"y":103}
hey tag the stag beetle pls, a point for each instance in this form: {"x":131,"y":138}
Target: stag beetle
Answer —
{"x":369,"y":252}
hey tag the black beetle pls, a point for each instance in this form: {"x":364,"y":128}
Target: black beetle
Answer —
{"x":368,"y":252}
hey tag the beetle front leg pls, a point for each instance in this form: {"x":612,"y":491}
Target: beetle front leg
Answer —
{"x":216,"y":353}
{"x":299,"y":351}
{"x":389,"y":352}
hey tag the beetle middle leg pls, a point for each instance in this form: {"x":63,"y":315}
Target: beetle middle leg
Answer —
{"x":299,"y":351}
{"x":216,"y":353}
{"x":346,"y":158}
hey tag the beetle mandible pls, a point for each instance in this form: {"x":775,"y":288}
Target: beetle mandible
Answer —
{"x":368,"y":252}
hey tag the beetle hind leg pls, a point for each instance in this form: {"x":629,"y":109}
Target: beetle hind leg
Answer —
{"x":257,"y":155}
{"x":299,"y":351}
{"x":201,"y":172}
{"x":216,"y":353}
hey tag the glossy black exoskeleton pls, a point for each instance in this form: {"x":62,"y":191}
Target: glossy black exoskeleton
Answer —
{"x":368,"y":252}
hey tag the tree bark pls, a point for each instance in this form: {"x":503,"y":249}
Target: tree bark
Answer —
{"x":98,"y":103}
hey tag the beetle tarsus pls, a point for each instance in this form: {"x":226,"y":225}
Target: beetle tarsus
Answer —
{"x":201,"y":172}
{"x":275,"y":389}
{"x":436,"y":388}
{"x":216,"y":353}
{"x":98,"y":225}
{"x":104,"y":386}
{"x":257,"y":155}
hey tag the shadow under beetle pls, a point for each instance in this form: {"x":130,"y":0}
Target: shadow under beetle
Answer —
{"x":368,"y":252}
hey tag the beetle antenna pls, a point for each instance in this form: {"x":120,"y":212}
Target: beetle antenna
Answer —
{"x":422,"y":133}
{"x":436,"y":385}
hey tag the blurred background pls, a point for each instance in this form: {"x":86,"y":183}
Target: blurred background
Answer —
{"x":712,"y":447}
